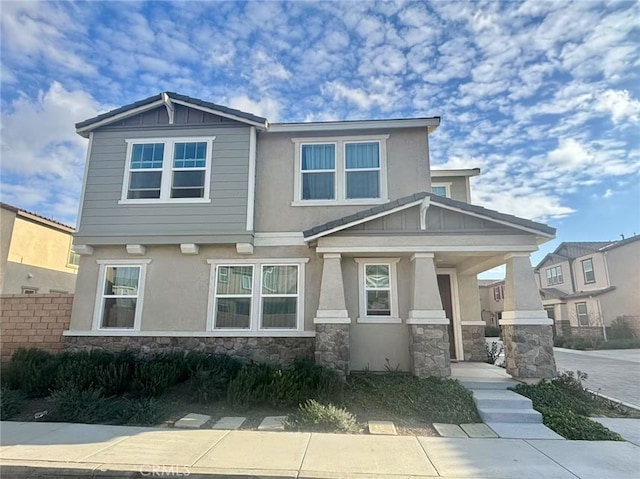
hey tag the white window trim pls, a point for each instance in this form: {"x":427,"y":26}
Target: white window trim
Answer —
{"x":446,"y":185}
{"x":586,"y":313}
{"x":167,"y":171}
{"x":256,"y":312}
{"x":362,"y":297}
{"x":340,"y":183}
{"x":592,"y":271}
{"x":99,"y":303}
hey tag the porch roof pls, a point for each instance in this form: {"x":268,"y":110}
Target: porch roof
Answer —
{"x":416,"y":199}
{"x":557,"y":294}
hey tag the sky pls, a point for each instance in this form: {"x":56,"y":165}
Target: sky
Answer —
{"x":544,"y":97}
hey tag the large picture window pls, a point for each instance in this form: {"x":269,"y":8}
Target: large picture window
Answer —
{"x":258,"y":296}
{"x":340,"y":170}
{"x":167,"y":170}
{"x":378,"y":290}
{"x":119,"y":299}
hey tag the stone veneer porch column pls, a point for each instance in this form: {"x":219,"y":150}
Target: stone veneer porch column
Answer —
{"x":473,"y":343}
{"x":526,"y":329}
{"x":332,"y":320}
{"x":428,"y":324}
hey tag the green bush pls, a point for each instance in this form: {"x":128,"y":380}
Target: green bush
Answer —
{"x":493,"y":352}
{"x":142,"y":411}
{"x":250,"y":387}
{"x":31,"y":371}
{"x":313,"y":416}
{"x":620,"y":329}
{"x":70,"y":404}
{"x":576,"y":427}
{"x":492,"y":331}
{"x":152,"y":377}
{"x":629,"y":343}
{"x":11,"y":403}
{"x":559,"y":341}
{"x":115,"y":378}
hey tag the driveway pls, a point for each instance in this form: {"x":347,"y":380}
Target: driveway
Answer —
{"x":613,"y":373}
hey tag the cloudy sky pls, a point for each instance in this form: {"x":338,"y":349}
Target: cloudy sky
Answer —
{"x":544,"y":97}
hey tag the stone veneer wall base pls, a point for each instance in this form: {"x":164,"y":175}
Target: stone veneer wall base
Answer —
{"x":332,"y":346}
{"x":529,"y":351}
{"x":280,"y":351}
{"x":473,"y":343}
{"x":429,"y":350}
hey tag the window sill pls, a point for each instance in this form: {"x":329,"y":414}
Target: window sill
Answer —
{"x":377,"y":201}
{"x":197,"y":334}
{"x":379,"y":320}
{"x":165,"y":202}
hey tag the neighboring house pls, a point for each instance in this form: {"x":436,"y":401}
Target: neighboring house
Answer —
{"x":585,"y":286}
{"x":491,"y":300}
{"x":203,"y":227}
{"x":36,"y":254}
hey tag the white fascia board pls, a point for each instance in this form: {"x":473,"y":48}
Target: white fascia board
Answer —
{"x":431,"y":123}
{"x":489,"y":218}
{"x":262,"y":126}
{"x":84,"y":181}
{"x":119,"y":116}
{"x":445,"y":173}
{"x":363,"y":220}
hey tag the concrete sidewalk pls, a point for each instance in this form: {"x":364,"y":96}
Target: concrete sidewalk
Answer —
{"x":82,"y":450}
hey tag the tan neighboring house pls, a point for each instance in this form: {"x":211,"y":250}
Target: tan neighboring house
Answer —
{"x":36,"y":254}
{"x":204,"y":227}
{"x":585,"y":286}
{"x":491,"y":300}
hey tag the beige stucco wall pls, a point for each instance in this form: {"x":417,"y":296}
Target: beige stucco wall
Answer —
{"x":7,"y":218}
{"x":599,"y":269}
{"x":566,"y":285}
{"x":38,"y":258}
{"x":489,"y":305}
{"x":407,"y":173}
{"x":458,"y":186}
{"x":624,"y":272}
{"x":177,"y":285}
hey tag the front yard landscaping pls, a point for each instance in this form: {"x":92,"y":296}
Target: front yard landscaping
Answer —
{"x":566,"y":405}
{"x":107,"y":388}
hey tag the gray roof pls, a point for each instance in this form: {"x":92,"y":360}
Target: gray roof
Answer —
{"x":174,"y":96}
{"x":556,"y":293}
{"x":434,"y":199}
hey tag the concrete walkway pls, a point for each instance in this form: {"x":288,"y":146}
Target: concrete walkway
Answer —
{"x":614,"y":373}
{"x":81,"y":450}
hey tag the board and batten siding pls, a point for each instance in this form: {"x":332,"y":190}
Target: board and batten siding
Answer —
{"x":224,"y":219}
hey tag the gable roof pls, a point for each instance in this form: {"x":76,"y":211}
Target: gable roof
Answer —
{"x":158,"y":100}
{"x":557,"y":294}
{"x":36,"y":218}
{"x":568,"y":250}
{"x":416,"y":199}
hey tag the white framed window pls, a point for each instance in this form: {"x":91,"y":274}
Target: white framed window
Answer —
{"x":74,"y":259}
{"x":554,"y":275}
{"x":587,"y":269}
{"x":167,"y":170}
{"x":441,"y":189}
{"x":120,"y":294}
{"x":497,"y":293}
{"x":257,"y":295}
{"x":29,"y":290}
{"x":378,"y":290}
{"x":582,"y":314}
{"x":340,"y":170}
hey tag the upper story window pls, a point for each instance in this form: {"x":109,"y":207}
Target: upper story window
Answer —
{"x":498,"y":293}
{"x":167,"y":170}
{"x":554,"y":275}
{"x":341,"y":170}
{"x":441,"y":189}
{"x":587,"y":269}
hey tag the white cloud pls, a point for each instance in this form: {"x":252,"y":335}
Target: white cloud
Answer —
{"x":619,"y":105}
{"x":268,"y":108}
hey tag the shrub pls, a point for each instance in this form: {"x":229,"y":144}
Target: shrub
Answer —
{"x":576,"y":427}
{"x":115,"y":378}
{"x":492,"y":331}
{"x":31,"y":371}
{"x":152,"y":377}
{"x":629,"y":343}
{"x":11,"y":403}
{"x":250,"y":386}
{"x":559,"y":341}
{"x":313,"y":416}
{"x":143,"y":411}
{"x":620,"y":329}
{"x":493,"y":352}
{"x":87,"y":406}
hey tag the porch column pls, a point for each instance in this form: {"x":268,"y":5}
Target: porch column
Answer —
{"x":332,"y":320}
{"x":428,"y":324}
{"x":473,"y":343}
{"x":526,"y":329}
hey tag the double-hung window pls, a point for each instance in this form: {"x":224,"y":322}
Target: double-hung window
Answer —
{"x":587,"y":269}
{"x":554,"y":275}
{"x":378,"y":290}
{"x":119,"y":298}
{"x":583,"y":314}
{"x":167,"y":170}
{"x":264,"y":295}
{"x":340,"y":170}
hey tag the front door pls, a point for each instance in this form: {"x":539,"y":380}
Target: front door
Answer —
{"x":444,"y":285}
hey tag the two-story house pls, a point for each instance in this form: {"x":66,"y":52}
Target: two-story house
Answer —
{"x":203,"y":227}
{"x":35,"y":253}
{"x":585,"y":286}
{"x":491,"y":300}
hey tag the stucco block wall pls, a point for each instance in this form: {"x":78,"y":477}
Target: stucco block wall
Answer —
{"x":33,"y":321}
{"x":567,"y":282}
